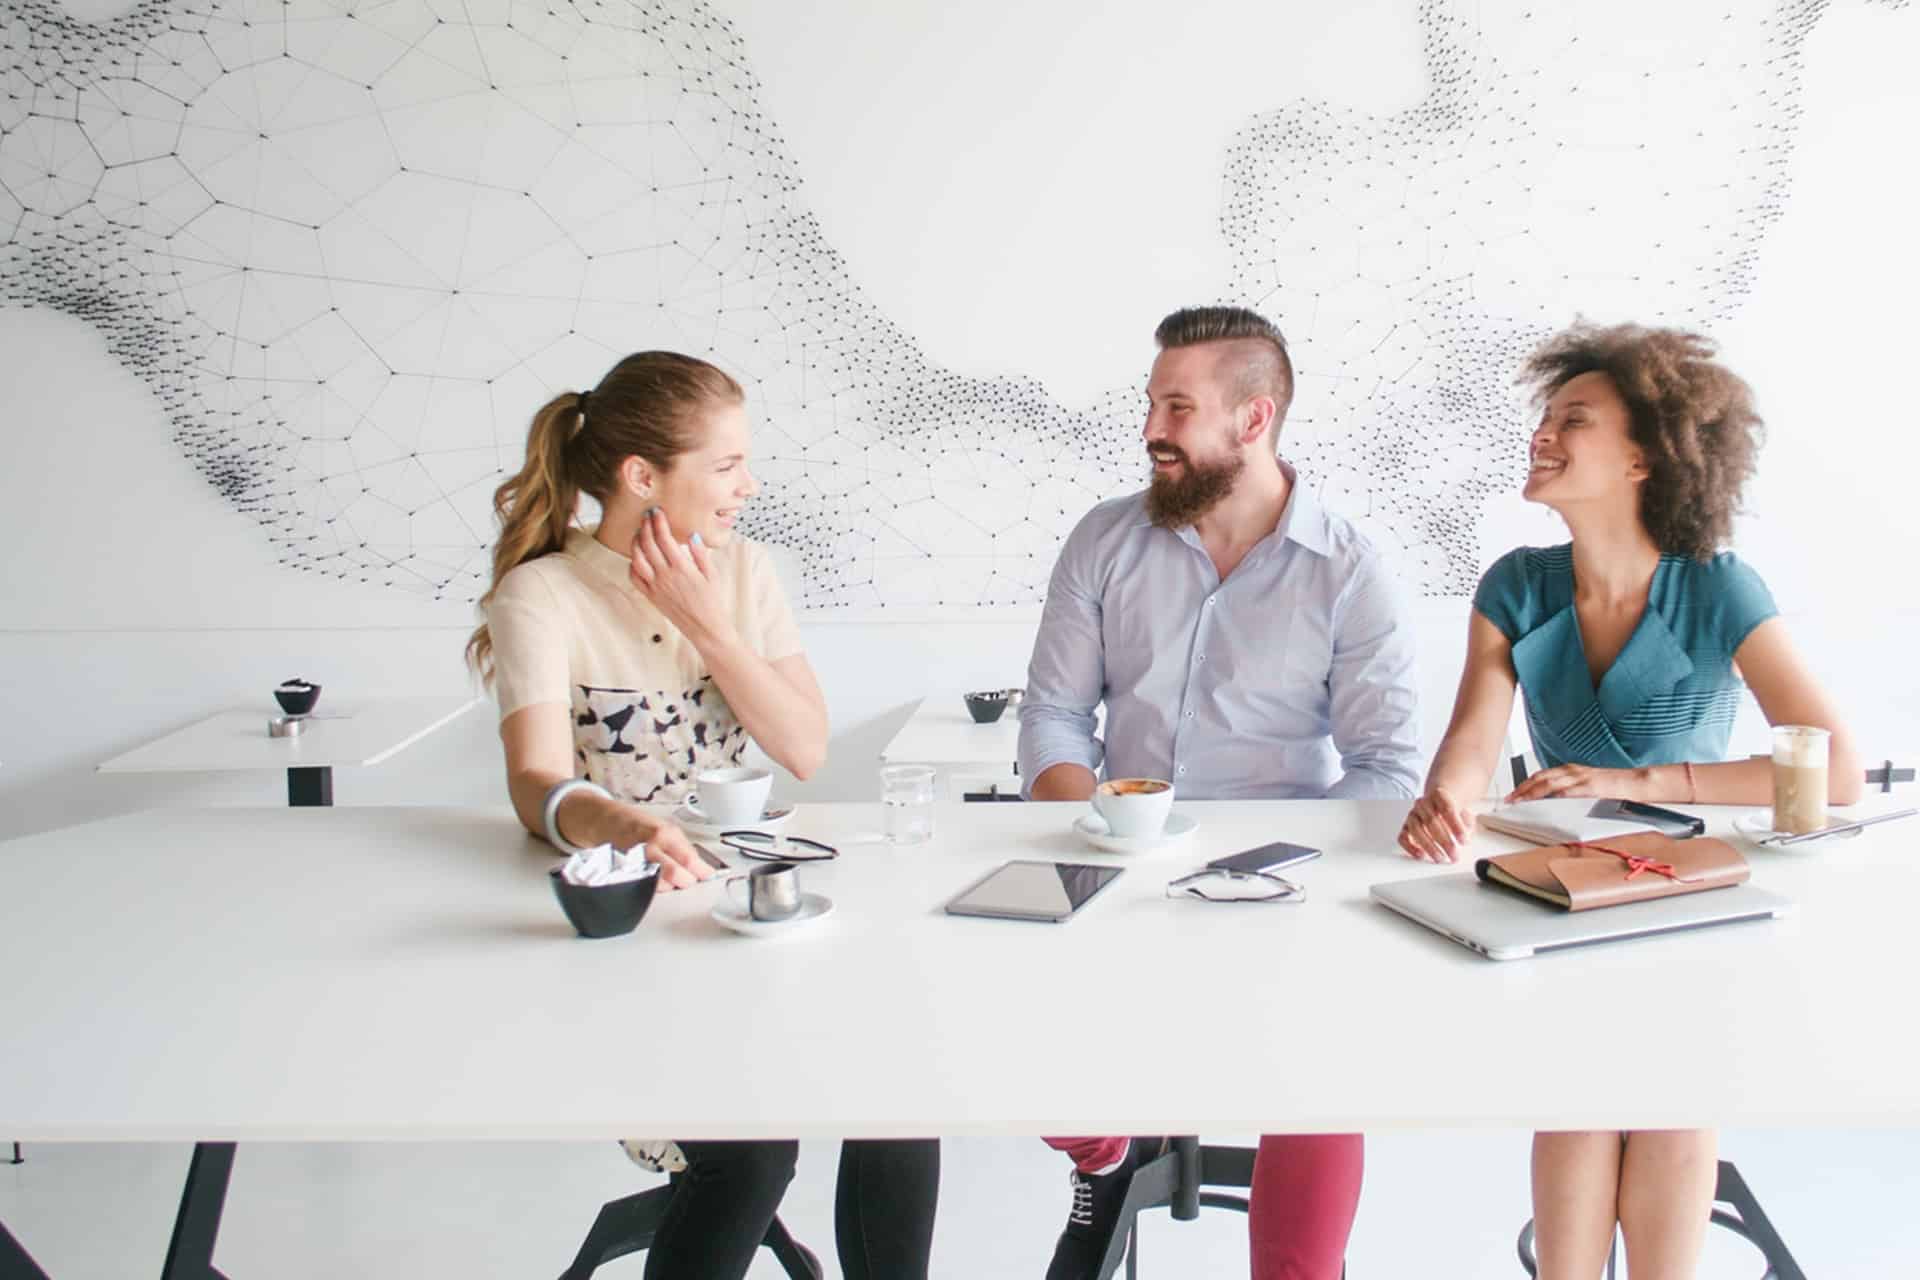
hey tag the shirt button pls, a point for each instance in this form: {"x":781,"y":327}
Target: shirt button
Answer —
{"x":1189,"y":715}
{"x":1181,"y":769}
{"x":1201,"y":658}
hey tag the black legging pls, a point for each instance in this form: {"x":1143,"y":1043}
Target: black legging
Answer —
{"x":882,"y":1208}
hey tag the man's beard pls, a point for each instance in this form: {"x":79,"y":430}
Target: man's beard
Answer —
{"x":1177,"y":500}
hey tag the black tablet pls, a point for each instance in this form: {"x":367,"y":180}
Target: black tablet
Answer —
{"x":1027,"y":890}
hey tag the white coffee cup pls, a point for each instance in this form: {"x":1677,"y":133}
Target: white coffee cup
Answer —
{"x":1134,"y":806}
{"x":730,"y":797}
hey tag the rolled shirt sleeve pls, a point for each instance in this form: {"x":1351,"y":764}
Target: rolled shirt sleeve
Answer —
{"x":1067,"y":674}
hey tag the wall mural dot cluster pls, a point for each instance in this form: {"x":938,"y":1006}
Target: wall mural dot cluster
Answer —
{"x":350,"y":246}
{"x":1557,"y":164}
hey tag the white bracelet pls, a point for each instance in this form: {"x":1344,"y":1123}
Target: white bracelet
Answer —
{"x":550,"y":817}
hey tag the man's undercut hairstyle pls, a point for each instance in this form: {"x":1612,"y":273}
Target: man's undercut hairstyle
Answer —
{"x":1259,"y":365}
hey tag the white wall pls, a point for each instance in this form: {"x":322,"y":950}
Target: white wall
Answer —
{"x":988,"y":208}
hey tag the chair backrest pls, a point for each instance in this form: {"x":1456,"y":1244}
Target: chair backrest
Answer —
{"x":1893,"y":773}
{"x":1517,"y":764}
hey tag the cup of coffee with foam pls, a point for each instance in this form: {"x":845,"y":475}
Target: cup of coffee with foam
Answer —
{"x":1134,"y":806}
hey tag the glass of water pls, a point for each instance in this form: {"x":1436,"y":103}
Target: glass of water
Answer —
{"x":906,"y":798}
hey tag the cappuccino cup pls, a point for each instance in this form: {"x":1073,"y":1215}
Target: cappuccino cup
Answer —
{"x":771,"y":892}
{"x":730,"y":797}
{"x":1799,"y":778}
{"x":1134,"y":806}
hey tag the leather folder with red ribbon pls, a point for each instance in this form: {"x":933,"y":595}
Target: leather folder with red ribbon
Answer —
{"x":1585,"y":875}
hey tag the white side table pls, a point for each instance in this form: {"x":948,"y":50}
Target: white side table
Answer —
{"x":968,"y":756}
{"x":356,"y":733}
{"x":971,"y":758}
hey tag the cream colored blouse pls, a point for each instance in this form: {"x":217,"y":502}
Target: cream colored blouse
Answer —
{"x":570,"y":628}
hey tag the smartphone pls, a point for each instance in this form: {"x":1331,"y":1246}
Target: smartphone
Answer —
{"x":1666,"y":821}
{"x":1268,"y":857}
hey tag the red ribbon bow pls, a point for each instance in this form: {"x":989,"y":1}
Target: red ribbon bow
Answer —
{"x":1636,"y":862}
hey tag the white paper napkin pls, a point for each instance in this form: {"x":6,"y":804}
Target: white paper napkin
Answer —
{"x":603,"y":864}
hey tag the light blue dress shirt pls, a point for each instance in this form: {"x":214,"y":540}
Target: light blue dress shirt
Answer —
{"x":1293,"y":678}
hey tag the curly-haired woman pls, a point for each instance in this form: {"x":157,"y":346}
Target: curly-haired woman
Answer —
{"x":1631,"y":642}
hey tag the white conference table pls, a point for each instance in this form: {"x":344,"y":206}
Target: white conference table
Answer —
{"x":228,"y":975}
{"x":357,"y":733}
{"x":383,"y":973}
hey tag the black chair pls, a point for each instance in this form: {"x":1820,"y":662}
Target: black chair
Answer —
{"x":1175,"y":1179}
{"x":1743,"y":1217}
{"x":628,"y":1225}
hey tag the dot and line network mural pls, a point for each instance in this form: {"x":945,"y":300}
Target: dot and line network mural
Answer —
{"x":350,"y":246}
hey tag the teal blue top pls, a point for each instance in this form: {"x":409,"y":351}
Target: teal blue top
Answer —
{"x":1671,"y":694}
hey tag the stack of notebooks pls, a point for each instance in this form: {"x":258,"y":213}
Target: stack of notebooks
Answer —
{"x":1602,"y":854}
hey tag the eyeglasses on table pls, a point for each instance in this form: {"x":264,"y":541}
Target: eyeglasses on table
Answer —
{"x":1223,"y":884}
{"x":773,"y":846}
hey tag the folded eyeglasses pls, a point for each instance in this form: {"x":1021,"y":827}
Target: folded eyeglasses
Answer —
{"x":771,"y":846}
{"x":1223,"y":884}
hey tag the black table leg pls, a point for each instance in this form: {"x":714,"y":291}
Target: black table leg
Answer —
{"x":195,"y":1228}
{"x":15,"y":1262}
{"x":308,"y":787}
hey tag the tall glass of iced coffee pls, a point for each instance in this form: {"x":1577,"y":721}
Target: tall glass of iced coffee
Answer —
{"x":1799,"y":778}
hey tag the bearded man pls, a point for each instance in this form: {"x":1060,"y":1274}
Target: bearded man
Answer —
{"x":1248,"y":644}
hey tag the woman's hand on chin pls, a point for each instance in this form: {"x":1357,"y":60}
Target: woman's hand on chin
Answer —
{"x":678,"y":581}
{"x":1570,"y":780}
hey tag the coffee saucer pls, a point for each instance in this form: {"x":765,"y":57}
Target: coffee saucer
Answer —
{"x":732,"y":915}
{"x":1092,"y":828}
{"x":1757,"y":826}
{"x":693,"y":824}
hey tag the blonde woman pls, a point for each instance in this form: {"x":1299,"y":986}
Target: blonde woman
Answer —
{"x":627,"y":658}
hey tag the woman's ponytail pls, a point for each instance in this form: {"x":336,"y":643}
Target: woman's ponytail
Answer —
{"x":647,"y":406}
{"x":534,"y":508}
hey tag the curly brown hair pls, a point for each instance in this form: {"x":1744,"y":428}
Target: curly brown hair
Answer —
{"x":1692,"y":418}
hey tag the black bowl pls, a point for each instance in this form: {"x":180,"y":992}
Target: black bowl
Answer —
{"x":985,"y":708}
{"x":604,"y":910}
{"x":297,"y":702}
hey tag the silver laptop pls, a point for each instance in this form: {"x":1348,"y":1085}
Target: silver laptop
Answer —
{"x":1503,"y":925}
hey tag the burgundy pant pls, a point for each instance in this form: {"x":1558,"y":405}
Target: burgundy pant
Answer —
{"x":1306,"y":1188}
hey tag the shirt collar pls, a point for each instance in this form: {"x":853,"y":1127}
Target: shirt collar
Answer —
{"x":599,"y":559}
{"x":1303,"y":519}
